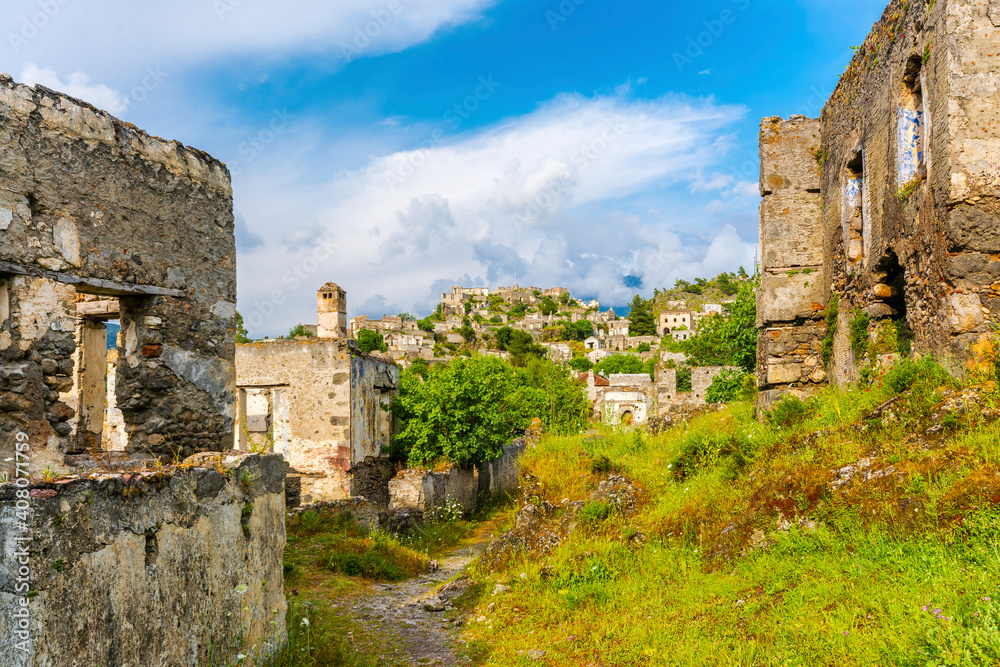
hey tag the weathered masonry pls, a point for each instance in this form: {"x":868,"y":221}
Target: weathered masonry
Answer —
{"x":99,"y":220}
{"x":320,"y":403}
{"x":169,"y":567}
{"x":165,"y":565}
{"x":889,"y":205}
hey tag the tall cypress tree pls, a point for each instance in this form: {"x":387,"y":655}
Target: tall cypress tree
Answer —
{"x":640,"y":317}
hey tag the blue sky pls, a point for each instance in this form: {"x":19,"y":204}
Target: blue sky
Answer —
{"x":398,"y":147}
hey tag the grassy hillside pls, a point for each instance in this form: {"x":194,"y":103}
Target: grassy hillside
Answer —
{"x":857,"y":528}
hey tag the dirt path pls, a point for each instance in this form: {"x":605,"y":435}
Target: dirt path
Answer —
{"x":418,"y":633}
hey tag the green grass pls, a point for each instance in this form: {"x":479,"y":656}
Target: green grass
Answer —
{"x":853,"y":577}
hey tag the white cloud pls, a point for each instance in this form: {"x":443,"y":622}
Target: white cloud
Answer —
{"x":579,"y":193}
{"x":78,"y":85}
{"x":63,"y":34}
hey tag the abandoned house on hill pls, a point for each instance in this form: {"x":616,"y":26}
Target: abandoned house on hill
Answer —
{"x":888,"y":206}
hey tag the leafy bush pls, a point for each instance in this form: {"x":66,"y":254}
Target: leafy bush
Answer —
{"x":464,"y":412}
{"x":299,"y":330}
{"x":643,"y":347}
{"x":565,"y":406}
{"x":705,"y":448}
{"x":789,"y":411}
{"x":594,"y":511}
{"x":371,"y":341}
{"x":859,"y":334}
{"x":683,"y":379}
{"x":731,"y":385}
{"x":728,"y":341}
{"x":923,"y":371}
{"x":581,"y":364}
{"x":619,"y":363}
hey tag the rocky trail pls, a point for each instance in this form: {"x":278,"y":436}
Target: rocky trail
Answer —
{"x":416,"y":619}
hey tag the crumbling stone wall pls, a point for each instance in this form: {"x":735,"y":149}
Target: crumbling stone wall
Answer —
{"x":153,"y":568}
{"x":314,"y":376}
{"x":91,"y":202}
{"x":331,"y":410}
{"x":793,"y":290}
{"x":910,"y":192}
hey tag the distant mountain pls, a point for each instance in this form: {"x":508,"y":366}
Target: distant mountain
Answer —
{"x":113,"y":330}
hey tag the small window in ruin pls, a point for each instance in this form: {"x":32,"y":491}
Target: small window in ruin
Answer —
{"x":855,"y":225}
{"x":911,"y":125}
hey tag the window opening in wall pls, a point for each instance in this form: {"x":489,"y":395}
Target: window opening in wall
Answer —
{"x":910,"y":138}
{"x":263,"y":417}
{"x":855,"y":225}
{"x":100,"y":426}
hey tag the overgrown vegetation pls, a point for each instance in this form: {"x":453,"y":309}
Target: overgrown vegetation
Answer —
{"x":729,"y":341}
{"x":468,"y":410}
{"x":856,"y":527}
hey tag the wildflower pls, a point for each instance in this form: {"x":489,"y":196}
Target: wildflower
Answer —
{"x":305,"y":622}
{"x":241,"y":589}
{"x":987,"y":599}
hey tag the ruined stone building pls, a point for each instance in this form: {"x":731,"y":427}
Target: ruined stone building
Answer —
{"x":888,"y":205}
{"x":319,"y":403}
{"x":100,"y":221}
{"x":387,"y":325}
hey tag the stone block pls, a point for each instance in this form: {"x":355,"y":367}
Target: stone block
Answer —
{"x":973,"y":229}
{"x":791,"y":230}
{"x":785,"y":298}
{"x":788,"y":150}
{"x":966,"y":312}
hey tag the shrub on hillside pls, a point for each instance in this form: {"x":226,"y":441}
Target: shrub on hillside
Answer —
{"x":467,"y":411}
{"x":731,"y":385}
{"x":789,"y":411}
{"x":923,"y":371}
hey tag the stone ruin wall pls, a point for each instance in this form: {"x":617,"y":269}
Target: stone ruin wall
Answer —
{"x":896,"y":235}
{"x":90,"y":201}
{"x":148,"y":568}
{"x":793,"y":288}
{"x":329,"y":420}
{"x":910,"y":245}
{"x":314,"y":377}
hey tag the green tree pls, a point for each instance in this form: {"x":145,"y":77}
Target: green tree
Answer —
{"x":565,"y":398}
{"x":299,"y":330}
{"x":371,"y":341}
{"x":426,"y":324}
{"x":520,"y":345}
{"x":565,"y":298}
{"x":548,"y":306}
{"x":730,"y":341}
{"x":640,"y":317}
{"x":468,"y":333}
{"x":465,"y":411}
{"x":406,"y":317}
{"x":619,"y":363}
{"x":242,"y":337}
{"x":731,"y":385}
{"x":581,"y":364}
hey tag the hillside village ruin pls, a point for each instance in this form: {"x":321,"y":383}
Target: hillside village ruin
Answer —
{"x":176,"y":455}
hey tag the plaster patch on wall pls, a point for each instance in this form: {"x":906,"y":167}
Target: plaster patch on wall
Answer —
{"x":210,"y":374}
{"x":131,"y":344}
{"x":67,"y":240}
{"x":224,"y":309}
{"x":6,"y":216}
